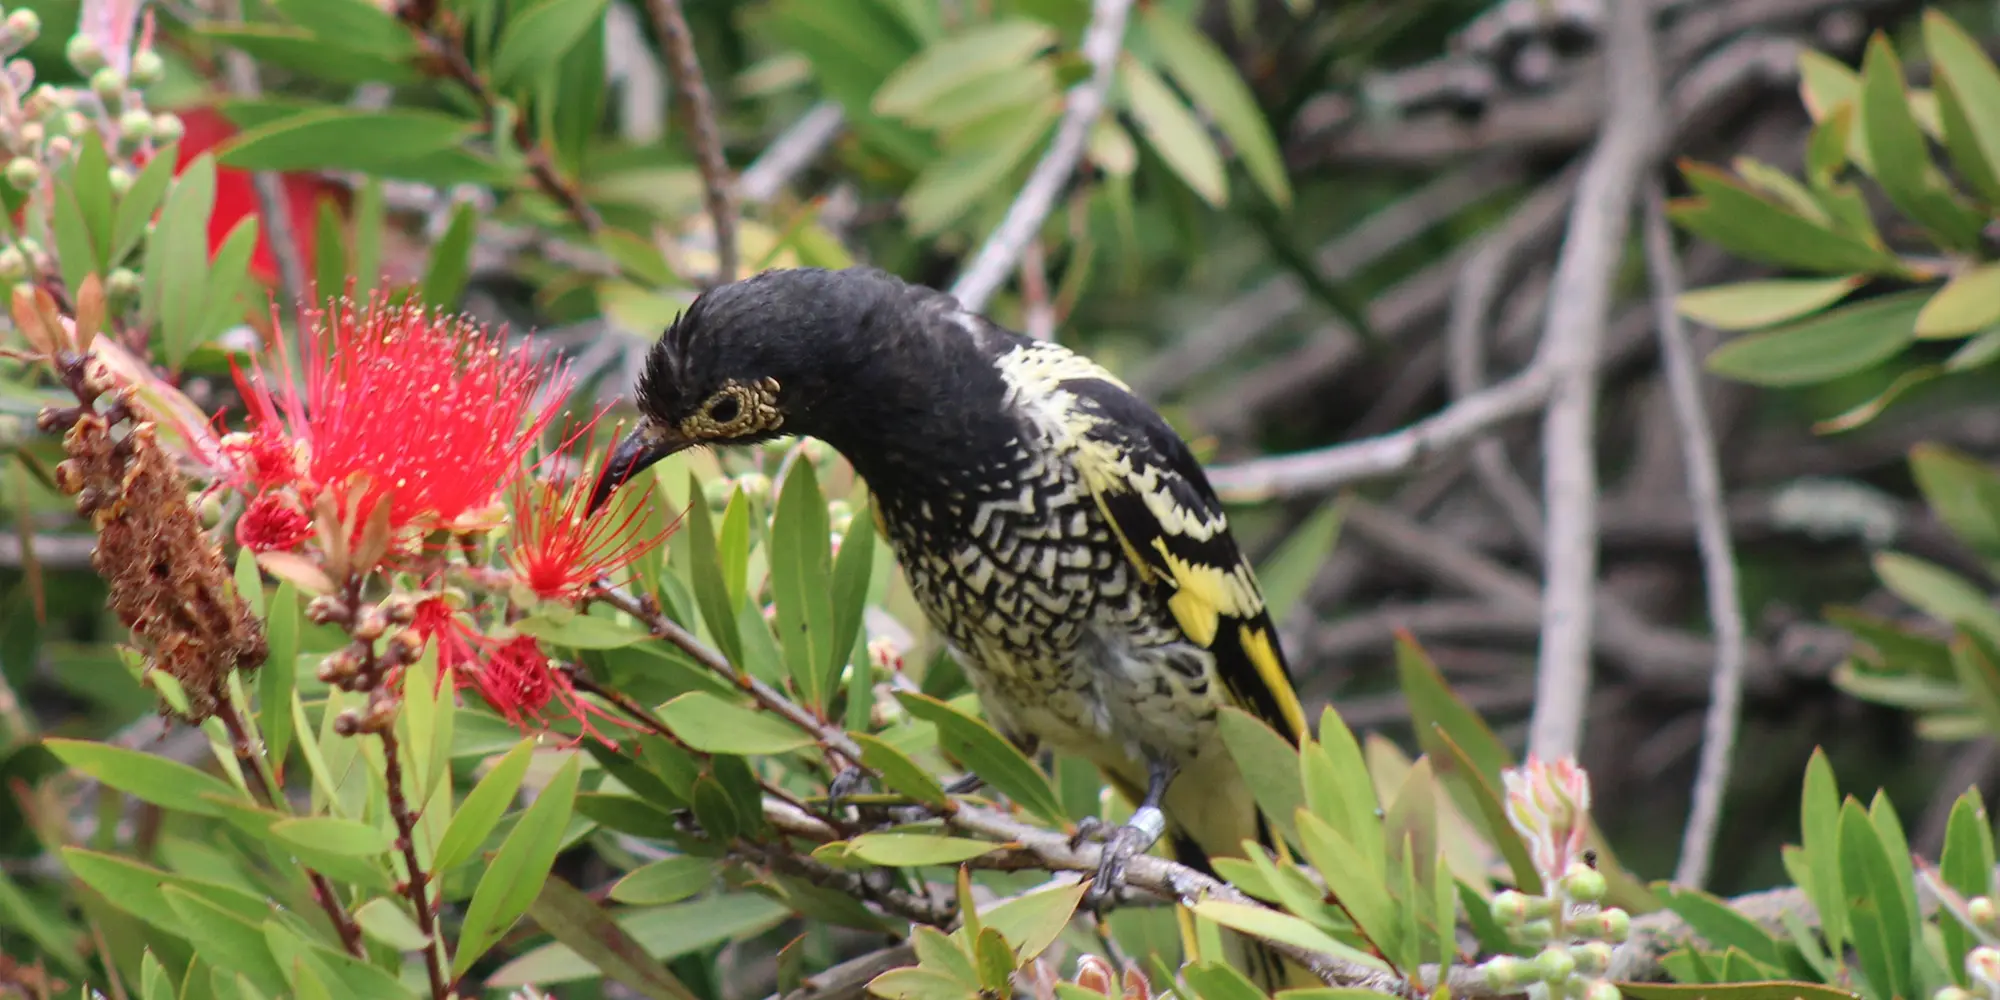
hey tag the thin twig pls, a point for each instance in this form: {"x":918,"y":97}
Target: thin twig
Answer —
{"x":1580,"y":304}
{"x":1718,"y":556}
{"x":272,"y":206}
{"x":414,"y":885}
{"x":1324,"y":469}
{"x":1101,"y":43}
{"x":791,"y":152}
{"x":697,"y":105}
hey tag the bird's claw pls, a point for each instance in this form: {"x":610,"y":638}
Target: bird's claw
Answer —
{"x":1089,"y":829}
{"x":1121,"y":845}
{"x":844,"y":784}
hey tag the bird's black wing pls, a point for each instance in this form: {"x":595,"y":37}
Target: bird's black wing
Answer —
{"x":1173,"y":527}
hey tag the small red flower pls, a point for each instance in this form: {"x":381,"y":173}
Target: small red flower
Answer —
{"x":558,"y":549}
{"x":520,"y":682}
{"x":430,"y":414}
{"x":236,"y":196}
{"x":273,"y":522}
{"x":457,"y":641}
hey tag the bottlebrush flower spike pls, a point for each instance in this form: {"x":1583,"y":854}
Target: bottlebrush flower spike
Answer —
{"x":520,"y":682}
{"x":1549,"y":803}
{"x":273,"y":522}
{"x":431,"y":414}
{"x":458,"y":643}
{"x":560,"y":549}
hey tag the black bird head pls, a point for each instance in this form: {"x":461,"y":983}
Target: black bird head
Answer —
{"x":782,"y":352}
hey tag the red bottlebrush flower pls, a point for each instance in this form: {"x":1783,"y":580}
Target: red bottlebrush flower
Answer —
{"x":431,"y":414}
{"x":236,"y":197}
{"x":520,"y":682}
{"x":457,"y":641}
{"x":558,"y":549}
{"x":273,"y":522}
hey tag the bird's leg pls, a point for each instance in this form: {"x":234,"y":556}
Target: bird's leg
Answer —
{"x":844,"y":784}
{"x":1135,"y":837}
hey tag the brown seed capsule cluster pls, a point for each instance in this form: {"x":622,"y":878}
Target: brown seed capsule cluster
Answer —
{"x":372,"y":659}
{"x":168,"y":581}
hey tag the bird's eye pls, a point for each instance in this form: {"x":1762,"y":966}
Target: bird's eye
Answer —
{"x":724,"y":410}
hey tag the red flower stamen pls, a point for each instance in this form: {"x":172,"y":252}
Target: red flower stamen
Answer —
{"x":559,"y":551}
{"x":521,"y":683}
{"x":431,"y":414}
{"x":273,"y":522}
{"x":457,"y":641}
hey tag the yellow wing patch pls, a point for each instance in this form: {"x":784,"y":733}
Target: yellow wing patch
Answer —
{"x":1257,"y":646}
{"x":1203,"y":594}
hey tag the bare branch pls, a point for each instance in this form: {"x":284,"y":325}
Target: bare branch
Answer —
{"x":1580,"y":304}
{"x":697,"y":105}
{"x":1718,"y":556}
{"x":1101,"y":43}
{"x":273,"y":209}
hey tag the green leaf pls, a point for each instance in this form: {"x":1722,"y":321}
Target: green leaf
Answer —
{"x":921,"y":984}
{"x":535,"y":40}
{"x":334,"y":835}
{"x":915,"y":850}
{"x":225,"y":940}
{"x":1901,"y":153}
{"x":48,"y":934}
{"x":1269,"y":764}
{"x":1171,"y":129}
{"x":1206,"y":74}
{"x":1338,"y":789}
{"x":1030,"y":923}
{"x":708,"y":574}
{"x":75,"y":255}
{"x":987,"y":754}
{"x":451,"y":260}
{"x":338,"y":138}
{"x":801,"y":578}
{"x":668,"y":880}
{"x":300,"y":50}
{"x":177,"y":260}
{"x":515,"y":877}
{"x":1938,"y":592}
{"x":982,"y":157}
{"x":581,"y":925}
{"x":279,"y":677}
{"x":901,"y":774}
{"x":141,"y":200}
{"x":1745,"y":224}
{"x":1750,"y":305}
{"x":852,"y":566}
{"x":1966,"y":865}
{"x":1291,"y":569}
{"x":975,"y":52}
{"x":1839,"y":342}
{"x":383,"y":919}
{"x":1274,"y":926}
{"x":581,"y":631}
{"x":1720,"y":925}
{"x":1880,"y":926}
{"x":474,"y":819}
{"x":1964,"y":493}
{"x":357,"y":24}
{"x":1967,"y":304}
{"x":664,"y":932}
{"x":1353,"y":878}
{"x":1819,"y":808}
{"x":1978,"y":664}
{"x":1735,"y":991}
{"x":1968,"y":89}
{"x":222,"y":304}
{"x":166,"y":783}
{"x":711,"y":725}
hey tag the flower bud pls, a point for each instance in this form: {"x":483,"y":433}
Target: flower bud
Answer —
{"x":1506,"y":972}
{"x":210,"y":510}
{"x":147,"y":67}
{"x":60,"y":146}
{"x":123,"y":284}
{"x":109,"y":86}
{"x":120,"y":179}
{"x":1555,"y":965}
{"x":755,"y":484}
{"x":404,"y":647}
{"x":399,"y":609}
{"x":135,"y":126}
{"x":1535,"y":932}
{"x":23,"y":173}
{"x":1983,"y":965}
{"x":717,"y":492}
{"x":25,"y":25}
{"x":1591,"y":958}
{"x":1584,"y":884}
{"x":347,"y":723}
{"x":327,"y":609}
{"x":1984,"y":915}
{"x":370,"y":623}
{"x":168,"y":128}
{"x":340,"y":666}
{"x":32,"y":134}
{"x":1952,"y":993}
{"x":13,"y":264}
{"x":84,"y":54}
{"x":1601,"y":989}
{"x":1510,"y":908}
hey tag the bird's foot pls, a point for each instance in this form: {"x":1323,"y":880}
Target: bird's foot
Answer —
{"x":1121,"y":844}
{"x":847,"y":782}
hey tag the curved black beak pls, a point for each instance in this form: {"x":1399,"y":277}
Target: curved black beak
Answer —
{"x":648,"y":443}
